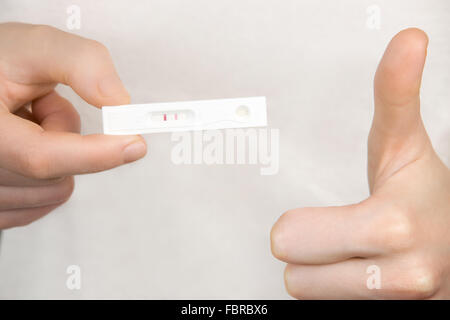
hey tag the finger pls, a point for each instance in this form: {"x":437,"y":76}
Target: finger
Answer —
{"x":344,"y":280}
{"x":51,"y":55}
{"x":31,"y":197}
{"x":54,"y":113}
{"x":28,"y":150}
{"x":360,"y":279}
{"x":23,"y":217}
{"x":397,"y":125}
{"x":8,"y":178}
{"x":48,"y":55}
{"x":332,"y":234}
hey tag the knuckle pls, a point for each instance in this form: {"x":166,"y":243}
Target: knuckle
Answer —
{"x":65,"y":189}
{"x":70,"y":187}
{"x":397,"y":229}
{"x":35,"y":164}
{"x":97,"y":48}
{"x":420,"y":282}
{"x":94,"y":53}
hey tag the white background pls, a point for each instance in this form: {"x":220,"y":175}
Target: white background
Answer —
{"x":153,"y":229}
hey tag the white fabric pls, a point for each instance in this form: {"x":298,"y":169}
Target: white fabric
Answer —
{"x":154,"y":229}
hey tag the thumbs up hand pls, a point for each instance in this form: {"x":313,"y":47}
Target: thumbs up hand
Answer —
{"x":403,"y":227}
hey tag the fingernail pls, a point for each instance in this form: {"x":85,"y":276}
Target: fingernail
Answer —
{"x":134,"y":151}
{"x":111,"y":86}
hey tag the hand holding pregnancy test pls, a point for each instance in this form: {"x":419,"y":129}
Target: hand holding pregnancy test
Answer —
{"x":185,"y":116}
{"x":41,"y":147}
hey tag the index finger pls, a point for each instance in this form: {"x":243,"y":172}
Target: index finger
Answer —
{"x":35,"y":55}
{"x":332,"y":234}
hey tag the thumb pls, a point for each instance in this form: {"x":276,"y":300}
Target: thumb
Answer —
{"x":397,"y":126}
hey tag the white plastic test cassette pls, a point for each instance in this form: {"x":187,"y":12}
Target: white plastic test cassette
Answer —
{"x":185,"y":116}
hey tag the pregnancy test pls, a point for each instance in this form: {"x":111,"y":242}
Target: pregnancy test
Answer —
{"x":185,"y":116}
